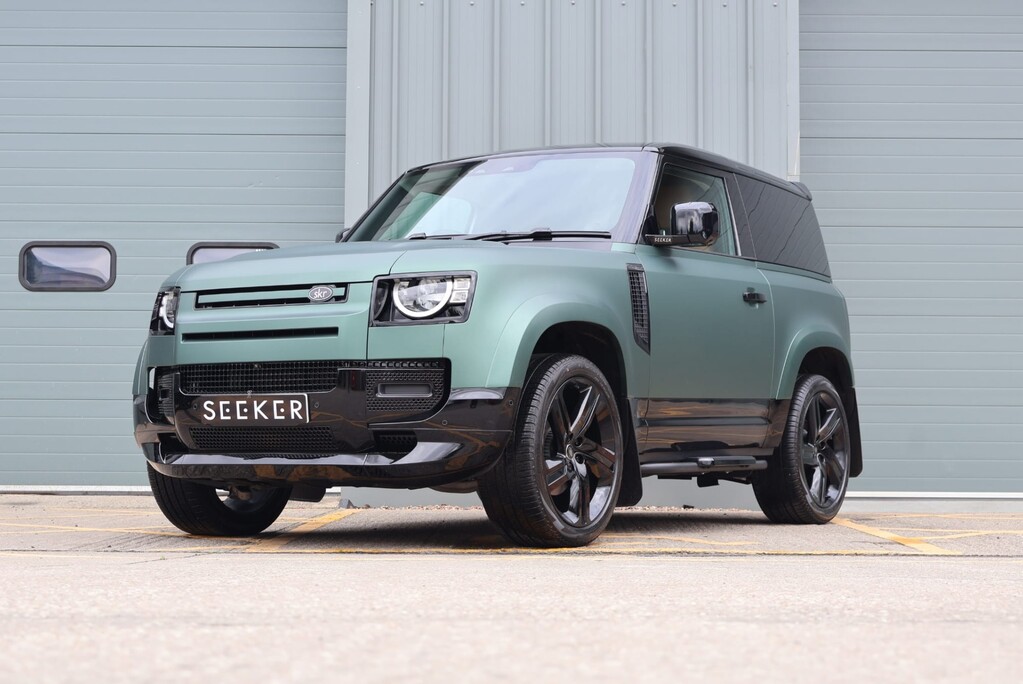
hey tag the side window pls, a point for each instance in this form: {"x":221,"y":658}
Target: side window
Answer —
{"x":208,"y":252}
{"x":784,"y":226}
{"x":67,"y":266}
{"x":679,"y":185}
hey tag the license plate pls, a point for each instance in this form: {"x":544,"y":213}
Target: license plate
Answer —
{"x":266,"y":409}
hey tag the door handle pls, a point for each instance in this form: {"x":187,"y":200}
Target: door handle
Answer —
{"x":754,"y":297}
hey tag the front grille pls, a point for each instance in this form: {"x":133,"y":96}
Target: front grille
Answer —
{"x":431,"y":378}
{"x":640,"y":306}
{"x":307,"y":439}
{"x":267,"y":296}
{"x":274,"y":376}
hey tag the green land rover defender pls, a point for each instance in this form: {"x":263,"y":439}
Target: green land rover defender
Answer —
{"x":544,"y":327}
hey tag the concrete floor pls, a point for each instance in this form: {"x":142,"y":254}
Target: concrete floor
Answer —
{"x":103,"y":589}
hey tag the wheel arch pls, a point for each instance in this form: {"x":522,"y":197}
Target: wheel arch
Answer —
{"x":833,"y":364}
{"x":600,"y":345}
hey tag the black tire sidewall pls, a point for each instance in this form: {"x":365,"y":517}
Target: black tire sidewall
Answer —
{"x":558,"y":371}
{"x":809,"y":387}
{"x":197,"y":508}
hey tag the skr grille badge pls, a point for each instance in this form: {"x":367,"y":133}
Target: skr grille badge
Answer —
{"x":321,"y":293}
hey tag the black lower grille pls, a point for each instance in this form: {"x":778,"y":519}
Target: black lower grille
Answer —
{"x":233,"y":440}
{"x":271,"y":376}
{"x":398,"y":443}
{"x":165,"y":394}
{"x":320,"y":376}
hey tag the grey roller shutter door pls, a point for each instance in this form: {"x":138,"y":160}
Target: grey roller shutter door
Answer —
{"x":150,"y":125}
{"x":912,"y":142}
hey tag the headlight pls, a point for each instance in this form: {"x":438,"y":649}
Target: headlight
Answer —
{"x":423,"y":298}
{"x":165,"y":312}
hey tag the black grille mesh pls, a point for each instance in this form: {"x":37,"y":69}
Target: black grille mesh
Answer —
{"x":165,"y":394}
{"x":272,"y":296}
{"x":395,"y":442}
{"x":297,"y":439}
{"x":275,"y":376}
{"x":640,"y":306}
{"x":433,"y":377}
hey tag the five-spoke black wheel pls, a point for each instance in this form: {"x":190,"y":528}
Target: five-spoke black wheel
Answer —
{"x":807,"y":480}
{"x":558,"y":482}
{"x":204,"y":510}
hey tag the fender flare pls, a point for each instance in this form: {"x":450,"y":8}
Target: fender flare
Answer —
{"x":534,"y":317}
{"x":803,"y":343}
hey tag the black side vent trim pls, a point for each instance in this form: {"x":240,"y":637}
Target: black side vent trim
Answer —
{"x":640,"y":306}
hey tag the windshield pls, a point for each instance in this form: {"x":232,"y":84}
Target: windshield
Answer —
{"x":581,"y":192}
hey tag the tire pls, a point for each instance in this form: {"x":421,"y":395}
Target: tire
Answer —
{"x":806,"y":482}
{"x":558,"y":481}
{"x":198,"y":509}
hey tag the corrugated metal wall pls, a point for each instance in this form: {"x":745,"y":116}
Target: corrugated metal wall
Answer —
{"x":912,"y":141}
{"x":151,"y":126}
{"x":434,"y":79}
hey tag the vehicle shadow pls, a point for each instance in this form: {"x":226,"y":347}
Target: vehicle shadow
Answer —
{"x":465,"y":531}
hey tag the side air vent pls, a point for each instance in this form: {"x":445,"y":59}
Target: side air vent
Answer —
{"x":640,"y":306}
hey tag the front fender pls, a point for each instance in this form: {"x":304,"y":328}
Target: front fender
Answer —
{"x":802,"y":343}
{"x":535,"y":316}
{"x":141,"y":382}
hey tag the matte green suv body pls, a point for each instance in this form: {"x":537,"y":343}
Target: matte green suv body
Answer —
{"x":546,"y":326}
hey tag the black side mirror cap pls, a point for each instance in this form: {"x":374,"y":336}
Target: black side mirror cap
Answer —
{"x":692,"y":224}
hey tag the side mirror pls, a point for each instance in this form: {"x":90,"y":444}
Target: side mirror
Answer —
{"x":342,"y":234}
{"x":692,"y":224}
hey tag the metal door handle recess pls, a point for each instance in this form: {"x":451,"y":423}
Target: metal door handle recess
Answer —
{"x":753,"y":297}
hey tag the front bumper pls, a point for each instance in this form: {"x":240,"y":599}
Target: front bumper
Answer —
{"x":357,"y":434}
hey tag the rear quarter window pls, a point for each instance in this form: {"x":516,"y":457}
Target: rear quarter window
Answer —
{"x":784,"y":226}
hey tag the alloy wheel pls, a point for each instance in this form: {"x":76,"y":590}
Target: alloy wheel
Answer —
{"x":581,"y":451}
{"x":824,"y":450}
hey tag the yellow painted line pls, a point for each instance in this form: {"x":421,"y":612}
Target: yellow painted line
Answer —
{"x":76,"y":516}
{"x":70,"y":528}
{"x":663,"y":537}
{"x":951,"y":516}
{"x":964,"y":535}
{"x":191,"y":549}
{"x":952,"y":530}
{"x":670,"y":550}
{"x":118,"y":511}
{"x":45,"y":554}
{"x":911,"y":542}
{"x":274,"y":544}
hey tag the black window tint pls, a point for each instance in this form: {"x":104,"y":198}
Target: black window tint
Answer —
{"x":784,"y":226}
{"x":67,"y":266}
{"x":207,"y":252}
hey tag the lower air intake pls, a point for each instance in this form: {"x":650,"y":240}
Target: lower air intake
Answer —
{"x":240,"y":440}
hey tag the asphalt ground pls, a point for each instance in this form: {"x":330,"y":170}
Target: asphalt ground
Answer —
{"x":103,"y":589}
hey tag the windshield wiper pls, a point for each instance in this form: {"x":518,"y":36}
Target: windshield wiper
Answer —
{"x":424,"y":236}
{"x":540,"y":234}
